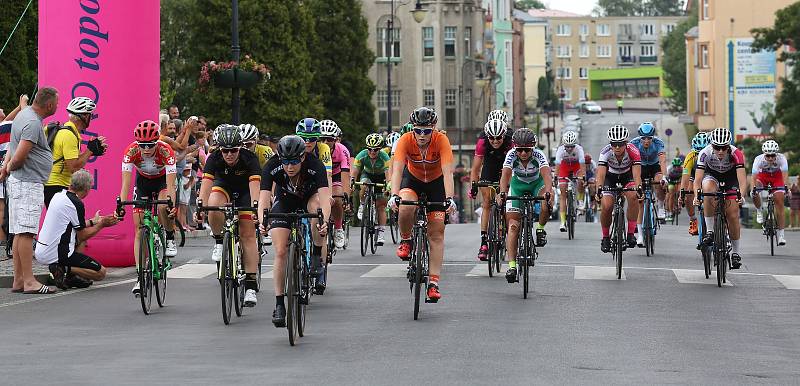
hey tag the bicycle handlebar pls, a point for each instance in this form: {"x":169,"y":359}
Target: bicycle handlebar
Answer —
{"x":528,"y":198}
{"x":292,"y":216}
{"x":737,"y":194}
{"x":370,"y":184}
{"x":120,"y":211}
{"x":770,"y":189}
{"x":618,"y":189}
{"x":422,"y":203}
{"x":225,"y":207}
{"x":487,"y":185}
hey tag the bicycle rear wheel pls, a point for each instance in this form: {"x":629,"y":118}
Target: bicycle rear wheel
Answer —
{"x":719,"y":250}
{"x":226,"y":279}
{"x":145,"y":271}
{"x":238,"y":281}
{"x":771,"y":228}
{"x":500,"y":239}
{"x":366,"y":220}
{"x":492,"y":242}
{"x":647,"y":224}
{"x":419,"y":268}
{"x":160,"y":276}
{"x":571,"y":215}
{"x":619,"y":240}
{"x":373,"y":232}
{"x":524,"y":254}
{"x":393,"y":228}
{"x":291,"y":292}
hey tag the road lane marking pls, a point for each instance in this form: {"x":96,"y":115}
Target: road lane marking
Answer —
{"x":789,"y":281}
{"x":596,"y":273}
{"x":192,"y":271}
{"x":387,"y":270}
{"x":478,"y":270}
{"x":697,"y":276}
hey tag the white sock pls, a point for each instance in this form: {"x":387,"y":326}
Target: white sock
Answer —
{"x":735,"y":246}
{"x":780,"y":233}
{"x":709,"y":223}
{"x":639,"y":228}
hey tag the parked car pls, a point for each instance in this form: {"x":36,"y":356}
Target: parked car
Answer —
{"x":588,"y":107}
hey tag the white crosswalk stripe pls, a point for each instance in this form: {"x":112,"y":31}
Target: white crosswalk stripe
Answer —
{"x":387,"y":270}
{"x":697,"y":276}
{"x":597,"y":273}
{"x":789,"y":281}
{"x":192,"y":271}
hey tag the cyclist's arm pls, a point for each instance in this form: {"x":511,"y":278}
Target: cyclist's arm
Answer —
{"x":397,"y":174}
{"x":171,"y":177}
{"x":264,"y":203}
{"x":477,"y":163}
{"x":346,"y":181}
{"x":741,"y":175}
{"x":637,"y":174}
{"x":356,"y":172}
{"x":505,"y":178}
{"x":698,"y":178}
{"x":662,"y":161}
{"x":600,"y":178}
{"x":205,"y":187}
{"x":325,"y":201}
{"x":582,"y":171}
{"x":548,"y":180}
{"x":126,"y":185}
{"x":449,"y":183}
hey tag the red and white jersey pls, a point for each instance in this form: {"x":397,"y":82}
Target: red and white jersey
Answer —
{"x":569,"y":157}
{"x":777,"y":165}
{"x":622,"y":164}
{"x":160,"y":163}
{"x":733,"y":159}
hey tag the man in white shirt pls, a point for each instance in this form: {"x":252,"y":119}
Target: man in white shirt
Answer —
{"x":64,"y":227}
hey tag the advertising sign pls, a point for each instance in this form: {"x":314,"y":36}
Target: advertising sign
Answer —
{"x":751,"y":81}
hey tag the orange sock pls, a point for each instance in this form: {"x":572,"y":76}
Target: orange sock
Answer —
{"x":434,"y":279}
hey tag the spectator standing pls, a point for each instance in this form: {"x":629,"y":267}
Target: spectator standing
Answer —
{"x":174,"y":112}
{"x":794,"y":203}
{"x":620,"y":104}
{"x":64,"y":227}
{"x":66,"y":146}
{"x":5,"y":136}
{"x":27,"y":165}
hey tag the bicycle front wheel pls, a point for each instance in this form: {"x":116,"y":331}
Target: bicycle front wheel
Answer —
{"x":373,"y":233}
{"x":719,"y":250}
{"x":619,"y":240}
{"x":771,"y":228}
{"x":491,"y":242}
{"x":571,"y":216}
{"x":238,"y":281}
{"x":419,"y":268}
{"x":366,"y":225}
{"x":292,"y":292}
{"x":226,"y":279}
{"x":500,"y":239}
{"x":393,"y":228}
{"x":145,"y":270}
{"x":160,"y":276}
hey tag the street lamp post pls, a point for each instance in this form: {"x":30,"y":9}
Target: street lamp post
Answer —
{"x":419,"y":15}
{"x":235,"y":50}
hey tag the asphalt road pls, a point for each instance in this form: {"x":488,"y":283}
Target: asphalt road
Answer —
{"x":577,"y":327}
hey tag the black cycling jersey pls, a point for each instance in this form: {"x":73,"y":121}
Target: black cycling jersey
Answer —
{"x":312,"y":177}
{"x":239,"y":175}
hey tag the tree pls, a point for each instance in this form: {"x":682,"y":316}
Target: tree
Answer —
{"x":19,"y":61}
{"x":639,"y":8}
{"x":784,"y":33}
{"x":674,"y":48}
{"x":525,"y":5}
{"x":543,"y":92}
{"x":341,"y":65}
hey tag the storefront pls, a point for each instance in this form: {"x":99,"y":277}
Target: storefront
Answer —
{"x":643,"y":82}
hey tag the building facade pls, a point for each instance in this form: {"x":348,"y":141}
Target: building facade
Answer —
{"x":729,"y":85}
{"x":503,"y":55}
{"x":534,"y":56}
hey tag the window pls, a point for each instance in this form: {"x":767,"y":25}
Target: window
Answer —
{"x":567,"y":94}
{"x":385,"y":48}
{"x":563,"y":51}
{"x":450,"y":119}
{"x":467,"y":41}
{"x":584,"y":94}
{"x":648,"y":50}
{"x":704,"y":107}
{"x":427,"y":42}
{"x":583,"y":73}
{"x":563,"y":30}
{"x":667,"y":28}
{"x":509,"y":54}
{"x":502,"y":9}
{"x":648,"y":29}
{"x":704,"y":13}
{"x":584,"y":50}
{"x":604,"y":51}
{"x":624,"y":50}
{"x":450,"y":42}
{"x":603,"y":30}
{"x":704,"y":55}
{"x":584,"y":29}
{"x":564,"y":73}
{"x":428,"y":98}
{"x":382,"y":109}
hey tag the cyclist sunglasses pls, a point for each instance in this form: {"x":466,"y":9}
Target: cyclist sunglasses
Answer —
{"x":619,"y":144}
{"x":423,"y":131}
{"x":328,"y":139}
{"x":376,"y":149}
{"x":524,"y":149}
{"x":248,"y":143}
{"x":231,"y":150}
{"x":498,"y":138}
{"x":721,"y":147}
{"x":311,"y":139}
{"x":146,"y":145}
{"x":291,"y":161}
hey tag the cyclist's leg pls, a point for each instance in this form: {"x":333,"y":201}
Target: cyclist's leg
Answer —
{"x":562,"y":201}
{"x":219,"y":196}
{"x":710,"y":185}
{"x":436,"y":242}
{"x":779,"y":210}
{"x":319,"y":242}
{"x":757,"y":196}
{"x":486,"y":208}
{"x":337,"y":210}
{"x":167,"y":222}
{"x":512,"y":239}
{"x":607,"y":204}
{"x":632,"y":214}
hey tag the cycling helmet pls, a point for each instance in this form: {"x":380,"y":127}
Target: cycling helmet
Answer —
{"x":769,"y":147}
{"x":524,"y":137}
{"x":408,"y":127}
{"x":249,"y":132}
{"x":700,"y":141}
{"x":617,"y":133}
{"x":308,"y":128}
{"x":374,"y":140}
{"x":423,"y":116}
{"x":647,"y":129}
{"x":720,"y":136}
{"x":81,"y":105}
{"x":587,"y":158}
{"x":495,"y":128}
{"x":569,"y":138}
{"x":229,"y":136}
{"x":677,"y":161}
{"x":146,"y":131}
{"x":392,"y":138}
{"x":329,"y":128}
{"x":498,"y":114}
{"x":291,"y":147}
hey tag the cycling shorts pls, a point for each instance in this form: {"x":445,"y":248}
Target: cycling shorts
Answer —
{"x":286,"y":205}
{"x":239,"y":196}
{"x":518,"y":188}
{"x":775,"y":179}
{"x":565,"y":170}
{"x":336,"y":179}
{"x":148,"y":188}
{"x":433,"y":191}
{"x":650,"y":171}
{"x":624,"y":179}
{"x":729,"y":178}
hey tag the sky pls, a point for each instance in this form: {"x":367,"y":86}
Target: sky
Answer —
{"x":583,"y":7}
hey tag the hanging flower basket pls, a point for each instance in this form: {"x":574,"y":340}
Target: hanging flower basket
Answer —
{"x":246,"y":73}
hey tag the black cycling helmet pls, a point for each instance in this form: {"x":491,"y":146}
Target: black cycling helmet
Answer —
{"x":291,"y":147}
{"x":524,"y":137}
{"x":228,"y":136}
{"x":423,"y":116}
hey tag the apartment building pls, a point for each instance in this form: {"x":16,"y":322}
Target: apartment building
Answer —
{"x":729,"y":85}
{"x":534,"y":55}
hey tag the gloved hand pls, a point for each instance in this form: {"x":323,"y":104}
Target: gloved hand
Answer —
{"x":473,"y":191}
{"x":451,"y":205}
{"x":394,"y":202}
{"x":97,"y":146}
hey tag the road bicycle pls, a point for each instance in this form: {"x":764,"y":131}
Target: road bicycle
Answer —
{"x":231,"y":273}
{"x":770,"y":221}
{"x":705,"y":251}
{"x":419,"y":261}
{"x":496,"y":233}
{"x":526,"y":247}
{"x":618,"y":222}
{"x":369,"y":230}
{"x":720,"y":245}
{"x":295,"y":285}
{"x":572,"y":211}
{"x":650,"y":222}
{"x":153,"y":262}
{"x":588,"y":205}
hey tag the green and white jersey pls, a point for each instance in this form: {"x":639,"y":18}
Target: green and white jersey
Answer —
{"x":525,"y":173}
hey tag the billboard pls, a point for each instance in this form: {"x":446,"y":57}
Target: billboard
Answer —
{"x":751,"y":82}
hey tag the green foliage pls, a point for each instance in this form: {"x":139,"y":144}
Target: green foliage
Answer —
{"x":525,"y":5}
{"x":543,"y":92}
{"x":341,"y":63}
{"x":674,"y":48}
{"x":751,"y":148}
{"x":639,"y":8}
{"x":786,"y":31}
{"x":18,"y":64}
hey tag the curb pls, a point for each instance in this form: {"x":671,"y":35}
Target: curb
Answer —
{"x":7,"y":280}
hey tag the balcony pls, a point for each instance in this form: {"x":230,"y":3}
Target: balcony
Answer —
{"x":626,"y":37}
{"x":626,"y":60}
{"x":648,"y":59}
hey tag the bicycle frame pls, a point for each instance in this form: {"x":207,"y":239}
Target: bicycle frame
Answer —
{"x":720,"y":247}
{"x":526,"y":255}
{"x":497,"y":228}
{"x":618,"y":220}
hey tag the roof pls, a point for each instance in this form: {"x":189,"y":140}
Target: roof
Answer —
{"x":692,"y":32}
{"x":528,"y":18}
{"x":552,"y":13}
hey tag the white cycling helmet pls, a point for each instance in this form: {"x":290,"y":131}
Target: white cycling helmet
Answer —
{"x":769,"y":147}
{"x":249,"y":132}
{"x":392,"y":138}
{"x":617,"y":133}
{"x":498,"y":114}
{"x":329,"y":128}
{"x":495,"y":128}
{"x":569,"y":138}
{"x":720,"y":136}
{"x":81,"y":105}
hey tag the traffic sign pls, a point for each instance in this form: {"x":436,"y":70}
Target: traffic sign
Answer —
{"x":668,"y":132}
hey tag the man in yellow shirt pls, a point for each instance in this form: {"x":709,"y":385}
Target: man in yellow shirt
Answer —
{"x":65,"y":144}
